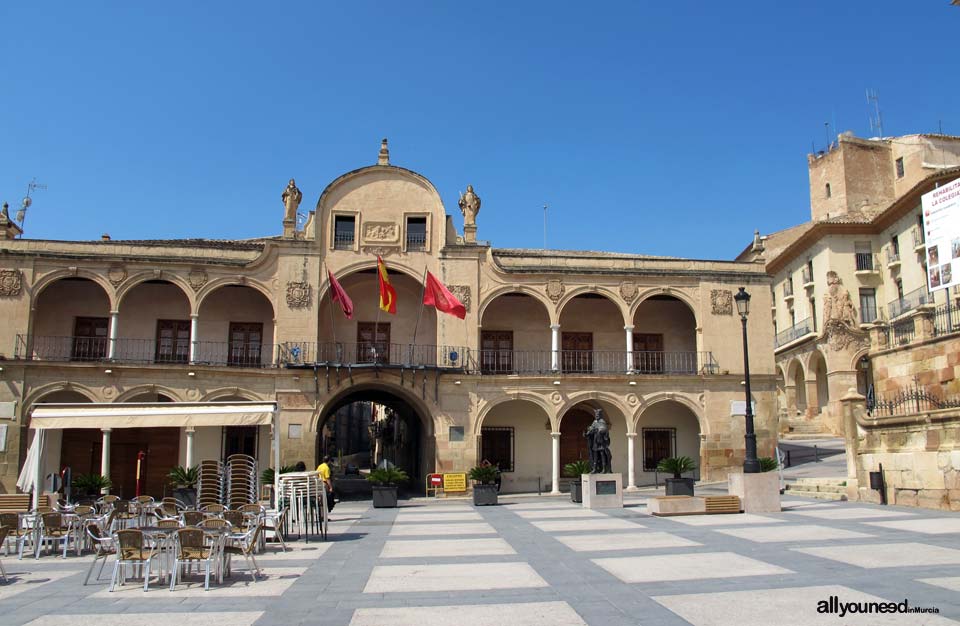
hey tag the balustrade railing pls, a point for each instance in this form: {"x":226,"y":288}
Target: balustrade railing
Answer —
{"x":866,"y":262}
{"x":946,"y":319}
{"x":903,"y":332}
{"x":801,"y":328}
{"x":908,"y":302}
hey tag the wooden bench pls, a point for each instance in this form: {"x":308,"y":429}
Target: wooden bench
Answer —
{"x":722,"y":504}
{"x":15,"y":502}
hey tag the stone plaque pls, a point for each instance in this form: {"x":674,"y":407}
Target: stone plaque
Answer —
{"x":606,"y":487}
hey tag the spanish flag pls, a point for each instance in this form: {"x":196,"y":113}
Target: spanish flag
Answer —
{"x":388,"y":295}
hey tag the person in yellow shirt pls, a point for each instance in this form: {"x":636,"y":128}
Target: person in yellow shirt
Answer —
{"x":324,"y":470}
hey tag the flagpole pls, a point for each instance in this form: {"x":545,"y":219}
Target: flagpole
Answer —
{"x":333,"y":324}
{"x":423,"y":290}
{"x":376,"y":323}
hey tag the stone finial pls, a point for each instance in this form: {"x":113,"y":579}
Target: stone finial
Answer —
{"x":757,"y":242}
{"x":384,"y":157}
{"x":8,"y":228}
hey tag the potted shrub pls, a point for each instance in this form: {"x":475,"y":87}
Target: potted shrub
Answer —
{"x":484,"y":479}
{"x":385,"y":483}
{"x":575,"y":470}
{"x":89,"y":485}
{"x":677,"y":465}
{"x":184,"y":481}
{"x":768,"y":464}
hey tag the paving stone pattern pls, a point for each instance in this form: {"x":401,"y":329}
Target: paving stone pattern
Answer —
{"x":541,"y":561}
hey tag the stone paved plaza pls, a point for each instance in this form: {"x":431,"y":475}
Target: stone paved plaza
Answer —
{"x":541,"y":560}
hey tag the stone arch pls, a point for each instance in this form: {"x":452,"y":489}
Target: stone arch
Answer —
{"x":48,"y":279}
{"x":527,"y":396}
{"x":149,"y":389}
{"x":216,"y":284}
{"x":225,"y":392}
{"x":606,"y":292}
{"x":40,"y":392}
{"x":142,"y":277}
{"x":797,"y":380}
{"x":489,"y":297}
{"x":680,"y":295}
{"x":817,"y":371}
{"x":593,"y":398}
{"x":427,"y":412}
{"x":656,"y":398}
{"x":660,"y":413}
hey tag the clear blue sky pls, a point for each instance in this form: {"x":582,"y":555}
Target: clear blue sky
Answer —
{"x":670,"y":128}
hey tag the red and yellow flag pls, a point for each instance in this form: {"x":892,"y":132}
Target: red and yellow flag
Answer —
{"x":388,"y":295}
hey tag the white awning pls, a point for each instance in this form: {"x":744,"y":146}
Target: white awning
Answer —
{"x":152,"y":415}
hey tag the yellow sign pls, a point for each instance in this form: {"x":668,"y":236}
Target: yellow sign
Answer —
{"x":454,"y":482}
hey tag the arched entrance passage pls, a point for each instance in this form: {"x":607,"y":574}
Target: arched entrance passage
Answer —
{"x":368,"y":425}
{"x":575,"y":421}
{"x":666,"y":429}
{"x":796,"y":378}
{"x":515,"y":435}
{"x":818,"y":365}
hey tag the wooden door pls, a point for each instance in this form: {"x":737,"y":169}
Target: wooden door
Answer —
{"x":573,"y":445}
{"x":173,"y":341}
{"x":577,"y":352}
{"x":648,"y":353}
{"x":496,"y":351}
{"x":90,"y":337}
{"x":239,"y":440}
{"x":246,"y":343}
{"x":373,"y":342}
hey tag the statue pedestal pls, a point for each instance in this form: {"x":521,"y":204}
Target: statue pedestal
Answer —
{"x":602,"y":491}
{"x":469,"y":234}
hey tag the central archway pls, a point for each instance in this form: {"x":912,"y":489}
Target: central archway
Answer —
{"x":369,"y":424}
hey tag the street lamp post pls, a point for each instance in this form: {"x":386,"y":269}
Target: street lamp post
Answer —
{"x":750,"y":463}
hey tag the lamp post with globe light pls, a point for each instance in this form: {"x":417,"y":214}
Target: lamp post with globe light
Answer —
{"x":751,"y":465}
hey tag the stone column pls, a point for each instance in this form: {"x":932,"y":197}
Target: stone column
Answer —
{"x":189,"y":460}
{"x":554,"y":347}
{"x":853,"y":404}
{"x":790,"y":396}
{"x":114,"y":327}
{"x":555,"y":464}
{"x":813,"y":400}
{"x":629,"y":332}
{"x":105,"y":457}
{"x":194,"y":319}
{"x":923,"y":322}
{"x":631,"y":463}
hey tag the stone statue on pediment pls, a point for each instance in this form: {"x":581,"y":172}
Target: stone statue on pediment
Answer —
{"x":469,"y":206}
{"x":291,"y":201}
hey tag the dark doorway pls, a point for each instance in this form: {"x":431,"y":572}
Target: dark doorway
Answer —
{"x":239,"y":440}
{"x":573,"y":445}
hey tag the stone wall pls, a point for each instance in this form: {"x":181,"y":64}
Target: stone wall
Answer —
{"x":933,"y":365}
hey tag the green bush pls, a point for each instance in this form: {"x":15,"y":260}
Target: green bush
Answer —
{"x":484,"y":475}
{"x":768,"y":464}
{"x":181,"y":476}
{"x":575,"y":469}
{"x":266,"y":476}
{"x":388,"y":476}
{"x":676,"y":465}
{"x":90,"y":484}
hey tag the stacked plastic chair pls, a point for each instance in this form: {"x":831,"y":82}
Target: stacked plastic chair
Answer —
{"x":303,"y":495}
{"x":241,"y":481}
{"x":210,"y":483}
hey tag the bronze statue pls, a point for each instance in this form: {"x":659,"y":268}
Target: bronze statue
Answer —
{"x":598,"y":443}
{"x":469,"y":206}
{"x":291,"y":201}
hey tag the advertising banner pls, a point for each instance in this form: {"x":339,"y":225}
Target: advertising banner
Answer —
{"x":941,"y":225}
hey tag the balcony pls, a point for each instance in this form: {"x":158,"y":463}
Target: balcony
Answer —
{"x":343,"y":240}
{"x":808,"y":278}
{"x":593,"y":362}
{"x":893,"y":259}
{"x":309,"y":353}
{"x":866,"y":264}
{"x":144,"y":351}
{"x":798,"y":330}
{"x":908,"y":302}
{"x":416,"y":242}
{"x":919,"y":241}
{"x":788,"y":291}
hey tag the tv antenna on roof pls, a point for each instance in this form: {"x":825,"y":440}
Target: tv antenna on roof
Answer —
{"x":32,"y":186}
{"x":876,"y":117}
{"x":544,"y":227}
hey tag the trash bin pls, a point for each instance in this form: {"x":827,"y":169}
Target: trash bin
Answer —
{"x":876,"y":480}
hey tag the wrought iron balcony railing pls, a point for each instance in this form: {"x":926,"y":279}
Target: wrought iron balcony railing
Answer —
{"x":908,"y":302}
{"x":801,"y":328}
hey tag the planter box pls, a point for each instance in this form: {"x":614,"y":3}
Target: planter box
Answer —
{"x":679,"y":486}
{"x":576,"y":491}
{"x":484,"y":495}
{"x":187,"y":495}
{"x":384,"y":497}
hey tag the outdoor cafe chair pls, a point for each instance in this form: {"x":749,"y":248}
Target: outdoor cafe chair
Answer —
{"x":132,"y":550}
{"x":192,"y":518}
{"x":248,"y":544}
{"x":192,"y":548}
{"x":216,"y":509}
{"x":104,"y":547}
{"x":107,"y":502}
{"x":236,"y":518}
{"x":53,"y":528}
{"x":18,"y":534}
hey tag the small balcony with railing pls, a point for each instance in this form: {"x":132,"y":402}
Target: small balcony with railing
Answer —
{"x":893,"y":258}
{"x":908,"y":302}
{"x":800,"y":329}
{"x":343,"y":240}
{"x":807,"y":277}
{"x":919,"y":240}
{"x":866,"y":264}
{"x":788,"y":291}
{"x":416,"y":242}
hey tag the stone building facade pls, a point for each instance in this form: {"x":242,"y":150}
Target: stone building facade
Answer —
{"x":549,"y":337}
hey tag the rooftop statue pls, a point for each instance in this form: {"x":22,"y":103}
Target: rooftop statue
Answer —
{"x":469,"y":206}
{"x":291,"y":200}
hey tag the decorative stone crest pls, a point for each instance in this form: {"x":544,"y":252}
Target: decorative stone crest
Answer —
{"x":556,"y":397}
{"x":628,"y":291}
{"x":116,"y":274}
{"x":380,"y":231}
{"x":462,"y":292}
{"x":555,"y":290}
{"x":840,"y":317}
{"x":632,"y":399}
{"x":11,"y":283}
{"x":299,"y":295}
{"x":197,"y":279}
{"x":380,"y":250}
{"x":721,"y":301}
